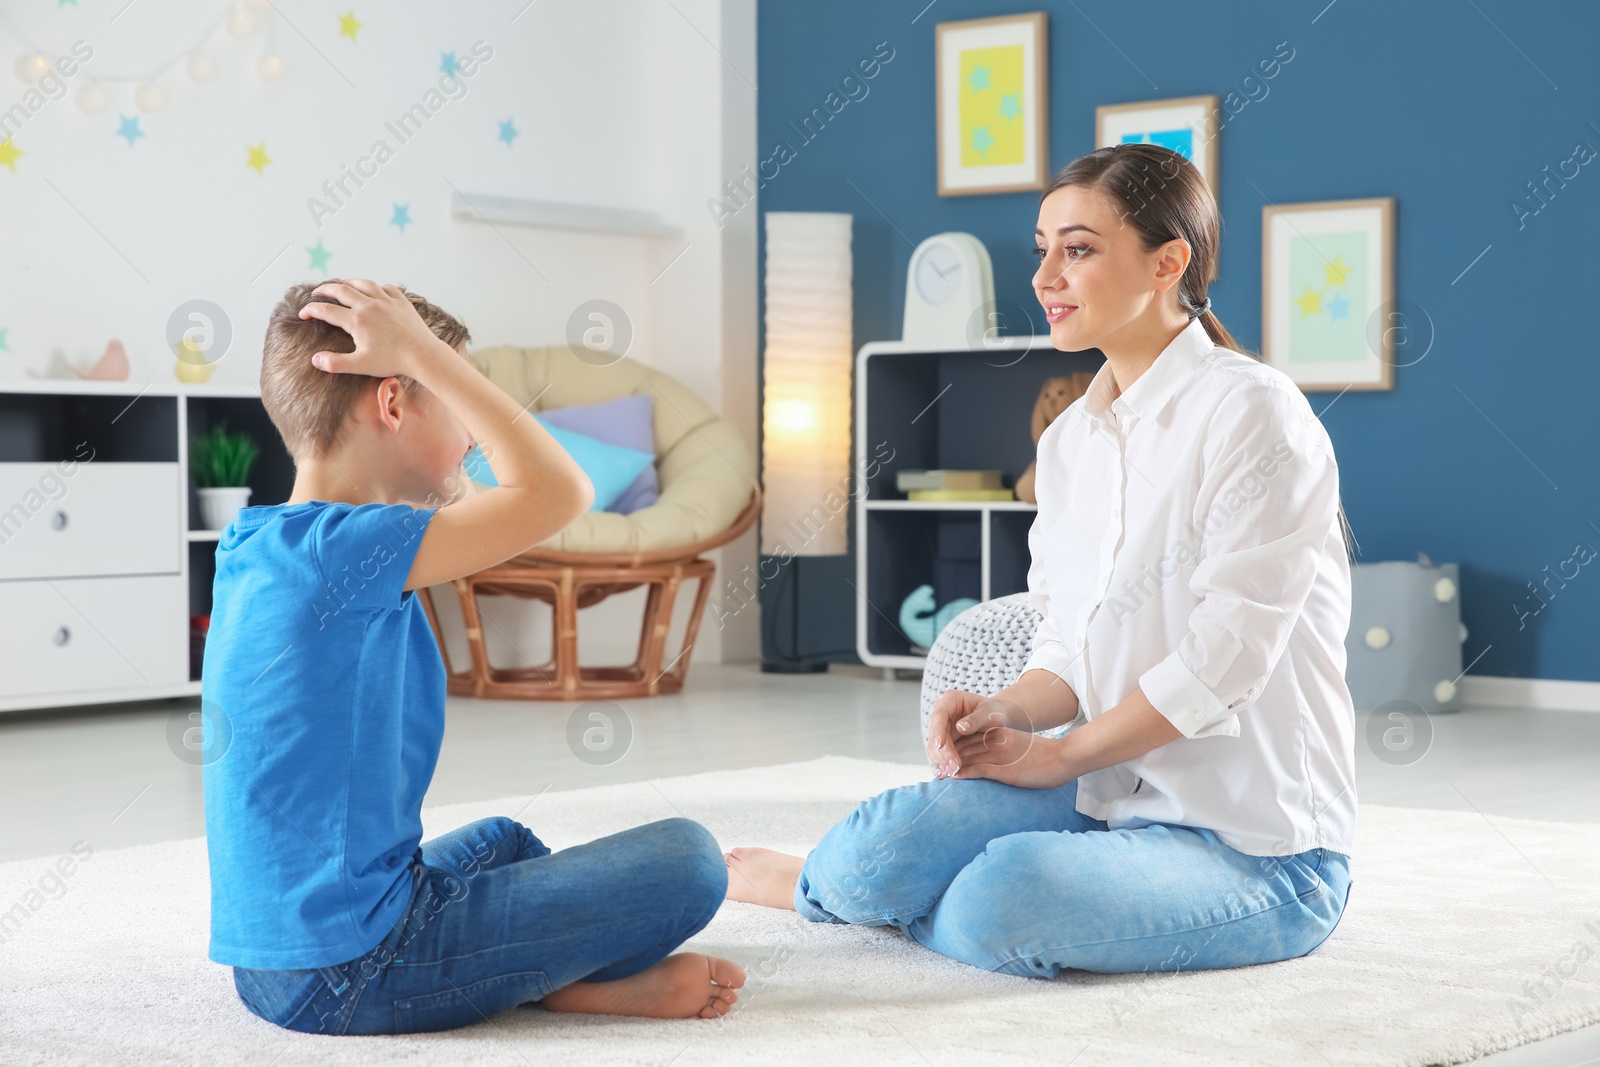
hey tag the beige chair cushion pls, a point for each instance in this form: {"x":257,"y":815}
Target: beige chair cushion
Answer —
{"x":707,"y":471}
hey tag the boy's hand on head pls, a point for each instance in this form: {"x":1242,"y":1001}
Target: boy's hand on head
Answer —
{"x":390,"y":336}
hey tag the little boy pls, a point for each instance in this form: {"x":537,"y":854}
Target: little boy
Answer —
{"x":324,"y":681}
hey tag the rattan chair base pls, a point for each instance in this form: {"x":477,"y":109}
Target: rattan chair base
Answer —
{"x":569,"y":581}
{"x":568,"y":587}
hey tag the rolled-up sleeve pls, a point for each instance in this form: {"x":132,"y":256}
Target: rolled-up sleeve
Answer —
{"x":1049,"y":652}
{"x":1268,"y":500}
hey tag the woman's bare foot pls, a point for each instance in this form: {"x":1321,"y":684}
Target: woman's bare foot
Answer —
{"x":762,"y":876}
{"x":681,"y":986}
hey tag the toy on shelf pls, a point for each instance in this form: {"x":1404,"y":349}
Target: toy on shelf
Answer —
{"x":191,"y":366}
{"x":1055,"y":396}
{"x":199,"y":626}
{"x":112,"y":366}
{"x":921,"y":623}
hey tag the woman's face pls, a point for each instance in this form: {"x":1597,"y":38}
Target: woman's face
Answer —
{"x":1093,"y":278}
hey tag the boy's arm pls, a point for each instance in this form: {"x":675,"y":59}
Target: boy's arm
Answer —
{"x":541,"y":489}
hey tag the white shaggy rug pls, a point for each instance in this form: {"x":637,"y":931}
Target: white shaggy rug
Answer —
{"x":1454,"y":921}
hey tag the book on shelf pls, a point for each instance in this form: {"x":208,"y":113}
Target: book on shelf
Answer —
{"x":908,"y":480}
{"x":947,"y":496}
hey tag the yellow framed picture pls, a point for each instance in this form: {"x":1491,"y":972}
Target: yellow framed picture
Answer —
{"x":992,"y":104}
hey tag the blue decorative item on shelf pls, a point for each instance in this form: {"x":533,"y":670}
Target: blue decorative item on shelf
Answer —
{"x":1404,"y":642}
{"x":919,"y":620}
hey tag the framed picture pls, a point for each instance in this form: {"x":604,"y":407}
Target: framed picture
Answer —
{"x":1185,"y":124}
{"x":1327,"y":287}
{"x":992,"y":103}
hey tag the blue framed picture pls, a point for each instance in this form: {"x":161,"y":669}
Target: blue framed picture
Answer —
{"x":1187,"y":124}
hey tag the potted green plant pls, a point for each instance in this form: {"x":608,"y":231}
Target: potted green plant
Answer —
{"x":220,"y":465}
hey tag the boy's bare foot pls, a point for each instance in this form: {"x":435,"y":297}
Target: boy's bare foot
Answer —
{"x":762,"y":876}
{"x":681,"y":986}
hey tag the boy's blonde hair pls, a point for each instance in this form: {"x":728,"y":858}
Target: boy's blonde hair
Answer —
{"x":309,"y":405}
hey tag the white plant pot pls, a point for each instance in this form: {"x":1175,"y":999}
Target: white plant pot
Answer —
{"x":220,"y":506}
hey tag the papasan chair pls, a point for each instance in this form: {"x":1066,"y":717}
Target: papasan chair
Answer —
{"x":708,"y":497}
{"x":982,"y":650}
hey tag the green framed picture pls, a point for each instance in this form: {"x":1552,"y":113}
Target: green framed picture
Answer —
{"x":1327,"y":292}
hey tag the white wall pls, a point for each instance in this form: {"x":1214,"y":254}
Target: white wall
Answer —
{"x":618,"y":104}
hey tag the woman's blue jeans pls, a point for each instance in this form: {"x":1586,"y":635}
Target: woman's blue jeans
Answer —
{"x":496,"y":919}
{"x":1017,"y":880}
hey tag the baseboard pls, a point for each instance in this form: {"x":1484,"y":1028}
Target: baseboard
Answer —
{"x":1543,"y":694}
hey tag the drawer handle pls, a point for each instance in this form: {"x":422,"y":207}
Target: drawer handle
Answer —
{"x":58,"y":521}
{"x":63,"y":635}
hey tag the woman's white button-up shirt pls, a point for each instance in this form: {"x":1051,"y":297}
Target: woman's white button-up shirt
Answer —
{"x":1188,"y":543}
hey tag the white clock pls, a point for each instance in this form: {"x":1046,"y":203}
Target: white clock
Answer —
{"x":949,"y":290}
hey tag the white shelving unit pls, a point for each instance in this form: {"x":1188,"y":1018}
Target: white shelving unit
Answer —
{"x":985,"y":511}
{"x":100,"y":570}
{"x":950,"y":408}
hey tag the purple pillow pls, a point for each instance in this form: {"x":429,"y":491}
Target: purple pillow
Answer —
{"x":628,"y":422}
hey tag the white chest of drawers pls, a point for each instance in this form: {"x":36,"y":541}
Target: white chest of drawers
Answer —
{"x":100,"y":570}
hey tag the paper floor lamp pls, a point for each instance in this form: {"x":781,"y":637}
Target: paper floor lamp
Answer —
{"x":805,"y":413}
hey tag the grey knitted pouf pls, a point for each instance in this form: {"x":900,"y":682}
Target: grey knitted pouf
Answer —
{"x":981,"y":651}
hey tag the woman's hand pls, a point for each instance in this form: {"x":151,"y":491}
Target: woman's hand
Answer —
{"x":1016,"y":757}
{"x":958,"y":715}
{"x":949,"y":709}
{"x":998,"y":751}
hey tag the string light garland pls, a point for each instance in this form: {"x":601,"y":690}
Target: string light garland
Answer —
{"x":201,"y":67}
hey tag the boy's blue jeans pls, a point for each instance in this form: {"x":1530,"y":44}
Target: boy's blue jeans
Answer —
{"x":1017,"y":880}
{"x":496,"y":919}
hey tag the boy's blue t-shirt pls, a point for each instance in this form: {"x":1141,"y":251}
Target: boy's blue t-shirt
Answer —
{"x":323,"y":710}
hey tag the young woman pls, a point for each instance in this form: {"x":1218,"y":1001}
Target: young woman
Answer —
{"x":1191,"y":574}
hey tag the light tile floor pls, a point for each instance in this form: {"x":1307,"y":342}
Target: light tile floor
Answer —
{"x":117,"y":775}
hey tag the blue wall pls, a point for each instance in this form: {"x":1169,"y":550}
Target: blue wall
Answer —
{"x":1485,"y":452}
